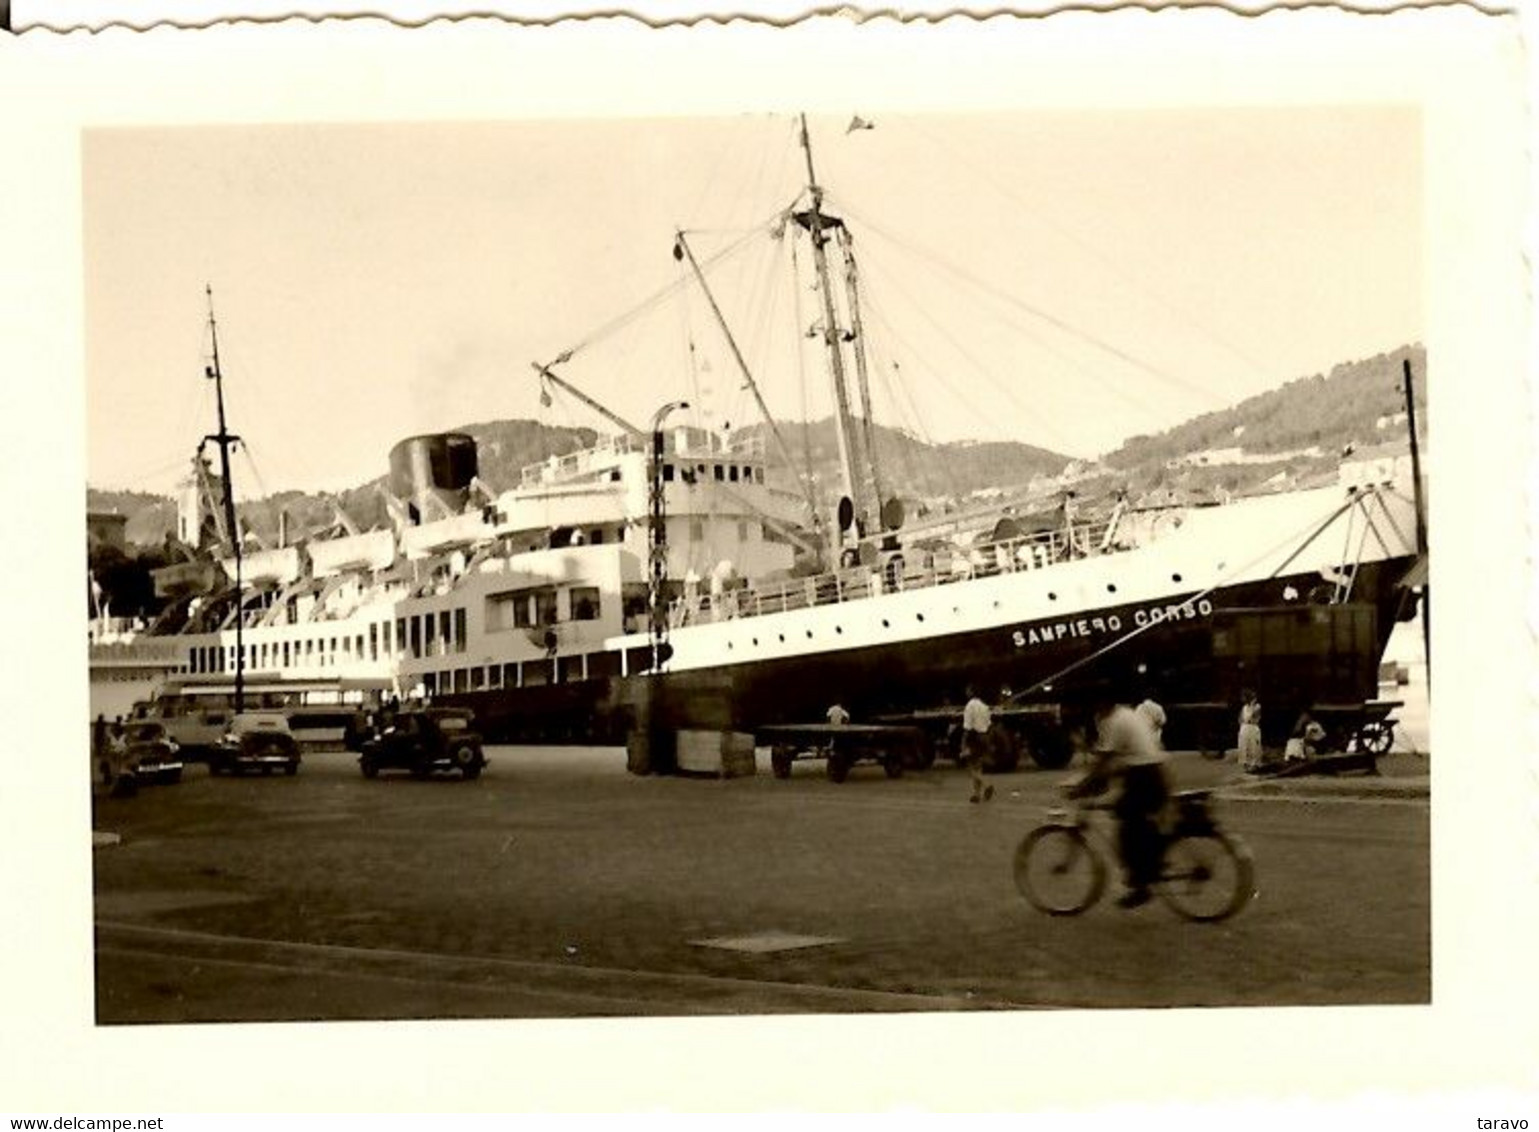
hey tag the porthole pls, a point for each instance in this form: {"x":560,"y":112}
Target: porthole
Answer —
{"x":1111,"y":588}
{"x":919,"y":617}
{"x":1052,"y":597}
{"x":886,"y":624}
{"x":809,"y":634}
{"x":1175,"y":577}
{"x":839,"y":628}
{"x":782,"y":638}
{"x":756,"y":640}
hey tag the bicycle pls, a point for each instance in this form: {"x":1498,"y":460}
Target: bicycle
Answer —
{"x":1206,"y":874}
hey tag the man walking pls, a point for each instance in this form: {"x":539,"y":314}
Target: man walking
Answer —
{"x":975,"y":742}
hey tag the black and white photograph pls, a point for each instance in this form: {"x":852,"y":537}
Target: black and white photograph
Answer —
{"x":931,"y":547}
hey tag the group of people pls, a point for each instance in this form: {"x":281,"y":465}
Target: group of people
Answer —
{"x":1303,"y":741}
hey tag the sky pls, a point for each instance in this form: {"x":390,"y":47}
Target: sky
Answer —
{"x":1065,"y":278}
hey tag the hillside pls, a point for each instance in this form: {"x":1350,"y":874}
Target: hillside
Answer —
{"x":1328,"y":411}
{"x":1293,"y":432}
{"x":914,"y":469}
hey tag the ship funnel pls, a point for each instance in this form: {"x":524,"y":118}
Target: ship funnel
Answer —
{"x":432,"y":474}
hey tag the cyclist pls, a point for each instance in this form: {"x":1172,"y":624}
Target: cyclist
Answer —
{"x":1128,"y":750}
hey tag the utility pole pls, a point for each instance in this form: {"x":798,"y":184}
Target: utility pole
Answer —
{"x":225,"y":440}
{"x":657,"y":551}
{"x":1421,"y":518}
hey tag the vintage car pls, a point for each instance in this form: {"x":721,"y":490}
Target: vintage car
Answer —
{"x":423,"y":740}
{"x":255,"y":740}
{"x":152,"y":755}
{"x":141,"y":752}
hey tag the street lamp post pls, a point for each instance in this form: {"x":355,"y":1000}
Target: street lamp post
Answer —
{"x":658,"y":542}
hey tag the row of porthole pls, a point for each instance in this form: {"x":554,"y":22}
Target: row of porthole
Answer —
{"x":886,"y":624}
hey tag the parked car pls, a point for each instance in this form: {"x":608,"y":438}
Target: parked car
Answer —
{"x":424,"y":740}
{"x":152,"y":755}
{"x":255,"y":740}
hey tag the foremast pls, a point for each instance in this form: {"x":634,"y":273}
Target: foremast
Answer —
{"x":859,"y":517}
{"x":225,"y":440}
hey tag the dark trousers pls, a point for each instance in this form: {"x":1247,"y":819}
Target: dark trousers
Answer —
{"x":1144,"y":795}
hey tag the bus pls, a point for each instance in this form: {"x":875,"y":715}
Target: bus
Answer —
{"x":321,"y":712}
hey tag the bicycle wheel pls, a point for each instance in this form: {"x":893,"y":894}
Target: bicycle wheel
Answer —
{"x":1057,"y":870}
{"x":1207,"y":876}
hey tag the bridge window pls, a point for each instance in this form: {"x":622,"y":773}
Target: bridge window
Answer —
{"x":585,"y":603}
{"x":732,"y":473}
{"x":721,"y":473}
{"x":459,"y":629}
{"x":667,"y":473}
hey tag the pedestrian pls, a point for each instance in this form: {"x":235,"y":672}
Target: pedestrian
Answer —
{"x":99,"y":747}
{"x":975,"y":743}
{"x":1126,"y":750}
{"x":1154,"y":715}
{"x":122,"y":781}
{"x":1250,"y":732}
{"x":837,"y":717}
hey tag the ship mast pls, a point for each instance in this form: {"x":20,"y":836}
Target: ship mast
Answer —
{"x":857,"y":339}
{"x":225,"y":440}
{"x":817,"y":224}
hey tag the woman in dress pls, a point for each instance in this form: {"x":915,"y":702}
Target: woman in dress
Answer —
{"x":1250,"y":732}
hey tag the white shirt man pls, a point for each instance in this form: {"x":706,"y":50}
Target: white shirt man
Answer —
{"x":975,"y":716}
{"x":975,"y":731}
{"x":1128,"y":739}
{"x":1153,"y":715}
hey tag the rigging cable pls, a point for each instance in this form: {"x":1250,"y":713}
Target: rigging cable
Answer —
{"x":1023,"y":209}
{"x":655,"y":298}
{"x":1006,"y":389}
{"x":1066,"y":359}
{"x":1207,"y":396}
{"x":878,"y":312}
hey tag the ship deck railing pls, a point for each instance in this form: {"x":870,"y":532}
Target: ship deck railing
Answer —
{"x":912,"y":570}
{"x":600,"y":456}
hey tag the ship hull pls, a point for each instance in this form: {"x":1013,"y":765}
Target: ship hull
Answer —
{"x":1090,"y":654}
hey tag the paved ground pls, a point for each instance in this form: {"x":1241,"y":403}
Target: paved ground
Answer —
{"x":560,"y":886}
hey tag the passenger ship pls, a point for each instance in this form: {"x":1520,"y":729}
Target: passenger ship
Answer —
{"x":655,"y":576}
